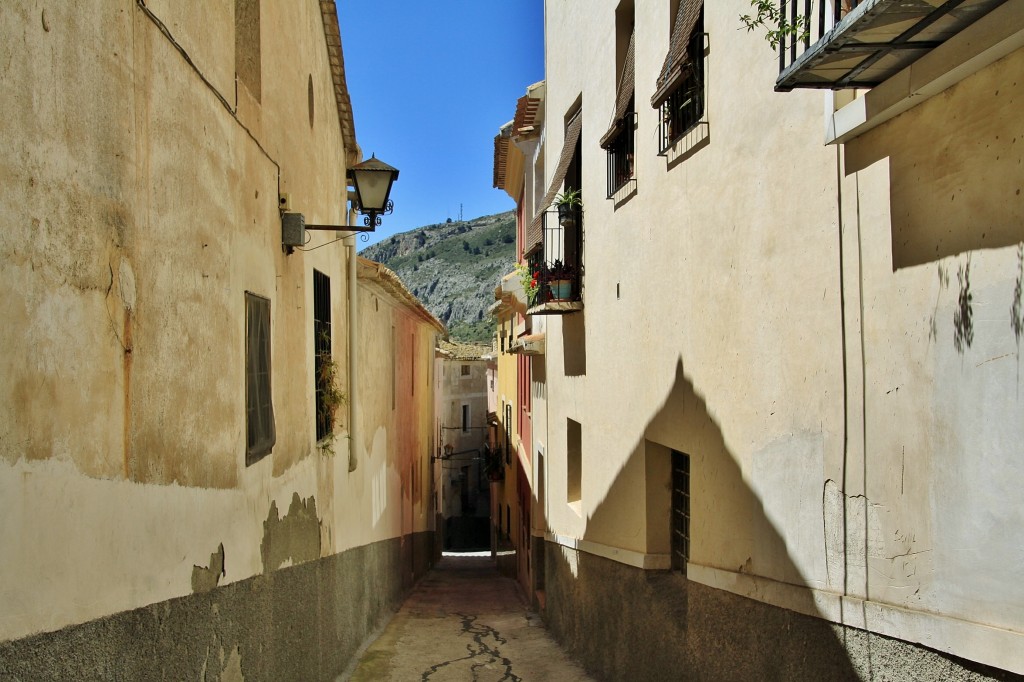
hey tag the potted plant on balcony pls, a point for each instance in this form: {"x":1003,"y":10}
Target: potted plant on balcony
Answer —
{"x":530,"y":281}
{"x":569,"y":203}
{"x":560,"y":280}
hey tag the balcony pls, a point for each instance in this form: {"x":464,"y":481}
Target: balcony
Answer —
{"x":863,"y":43}
{"x":558,"y":265}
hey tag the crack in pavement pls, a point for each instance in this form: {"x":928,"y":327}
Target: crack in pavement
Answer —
{"x":477,"y":649}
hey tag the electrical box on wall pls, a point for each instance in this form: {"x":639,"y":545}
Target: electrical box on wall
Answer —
{"x":293,"y":229}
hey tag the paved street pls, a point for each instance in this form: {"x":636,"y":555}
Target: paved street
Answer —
{"x":464,"y":621}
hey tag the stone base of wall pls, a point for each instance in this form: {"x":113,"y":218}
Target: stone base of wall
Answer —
{"x":625,"y":623}
{"x":299,"y":623}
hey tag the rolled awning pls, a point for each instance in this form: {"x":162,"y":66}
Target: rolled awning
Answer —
{"x":624,"y":93}
{"x":677,"y":61}
{"x":534,"y":235}
{"x":500,"y":159}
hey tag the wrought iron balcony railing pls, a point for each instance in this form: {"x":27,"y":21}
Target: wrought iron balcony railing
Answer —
{"x":557,"y":266}
{"x":838,"y":44}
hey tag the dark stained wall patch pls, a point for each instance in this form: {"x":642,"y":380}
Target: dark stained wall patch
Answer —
{"x":293,"y":538}
{"x":206,"y":578}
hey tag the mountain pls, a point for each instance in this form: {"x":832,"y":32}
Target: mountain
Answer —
{"x":453,"y":268}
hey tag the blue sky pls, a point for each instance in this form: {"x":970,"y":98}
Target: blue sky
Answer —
{"x":431,"y":83}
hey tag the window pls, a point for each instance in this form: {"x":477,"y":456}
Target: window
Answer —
{"x":574,"y":461}
{"x":259,"y":409}
{"x":322,"y":360}
{"x":680,"y":511}
{"x":620,"y":150}
{"x":465,"y":418}
{"x":465,"y":370}
{"x":680,"y":94}
{"x":508,"y":433}
{"x":619,"y":140}
{"x":247,"y":45}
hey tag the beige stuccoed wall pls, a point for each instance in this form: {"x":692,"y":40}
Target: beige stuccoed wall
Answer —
{"x":139,"y":203}
{"x":715,"y":272}
{"x":736,"y":266}
{"x":941,"y":219}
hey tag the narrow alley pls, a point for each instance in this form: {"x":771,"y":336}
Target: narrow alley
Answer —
{"x":465,"y":621}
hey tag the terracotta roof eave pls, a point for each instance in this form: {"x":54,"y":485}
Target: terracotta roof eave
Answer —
{"x":527,"y":109}
{"x":465,"y":352}
{"x":336,"y":59}
{"x":392,"y":283}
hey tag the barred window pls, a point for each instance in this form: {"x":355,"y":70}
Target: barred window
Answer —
{"x":680,"y":511}
{"x":680,"y":95}
{"x":322,"y":351}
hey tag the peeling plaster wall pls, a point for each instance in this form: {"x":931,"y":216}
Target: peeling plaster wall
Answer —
{"x":303,"y":622}
{"x":139,"y":198}
{"x":831,"y":333}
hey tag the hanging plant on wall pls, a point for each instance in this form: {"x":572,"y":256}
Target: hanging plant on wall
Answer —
{"x":331,"y":398}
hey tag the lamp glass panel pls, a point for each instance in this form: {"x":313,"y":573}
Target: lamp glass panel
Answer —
{"x":373,"y":187}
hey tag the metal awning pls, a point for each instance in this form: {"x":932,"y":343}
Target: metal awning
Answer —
{"x":876,"y":40}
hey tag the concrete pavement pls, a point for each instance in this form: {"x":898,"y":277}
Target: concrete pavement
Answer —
{"x":465,"y":621}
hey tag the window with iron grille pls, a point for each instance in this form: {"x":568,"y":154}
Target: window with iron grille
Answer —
{"x":322,"y":350}
{"x":684,"y":108}
{"x":681,"y":96}
{"x":620,"y":154}
{"x":618,"y":142}
{"x":508,"y":433}
{"x":260,"y":434}
{"x":680,"y":511}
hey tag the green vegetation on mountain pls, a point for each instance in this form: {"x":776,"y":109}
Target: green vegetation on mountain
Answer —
{"x":453,"y":268}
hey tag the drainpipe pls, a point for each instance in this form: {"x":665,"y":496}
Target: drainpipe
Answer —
{"x":353,"y":295}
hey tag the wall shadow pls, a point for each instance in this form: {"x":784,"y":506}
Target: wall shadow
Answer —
{"x":627,"y":623}
{"x":622,"y":622}
{"x":574,"y":344}
{"x":956,"y":170}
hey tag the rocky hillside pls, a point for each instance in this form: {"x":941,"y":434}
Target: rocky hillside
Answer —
{"x":453,"y":268}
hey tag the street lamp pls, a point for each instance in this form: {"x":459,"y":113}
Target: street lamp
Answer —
{"x":372,"y":180}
